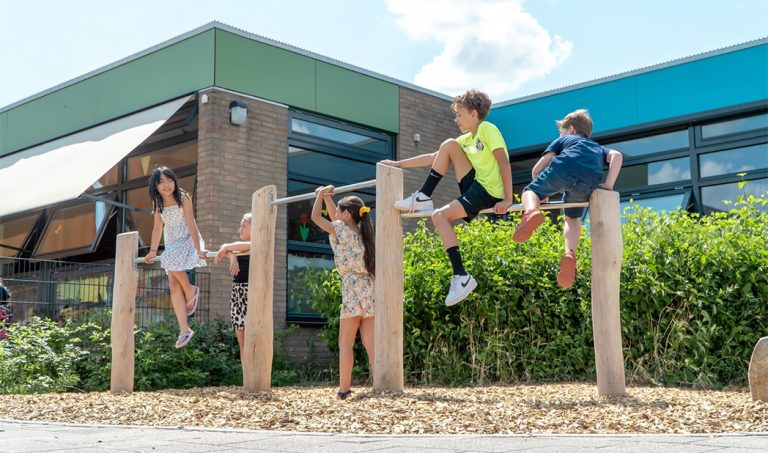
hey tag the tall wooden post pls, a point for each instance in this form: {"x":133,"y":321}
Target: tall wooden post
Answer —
{"x":259,"y":328}
{"x":758,"y":371}
{"x":388,"y":336}
{"x":124,"y":312}
{"x":605,"y":226}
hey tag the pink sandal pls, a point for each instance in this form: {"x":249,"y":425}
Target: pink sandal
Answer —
{"x":193,"y":301}
{"x":184,"y":338}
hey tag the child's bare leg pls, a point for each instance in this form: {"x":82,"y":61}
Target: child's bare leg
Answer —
{"x":240,"y":334}
{"x":567,"y":272}
{"x":347,"y":333}
{"x":572,"y":233}
{"x":442,"y":219}
{"x":187,"y":288}
{"x":177,"y":299}
{"x":530,"y":200}
{"x":367,"y":336}
{"x":450,"y":152}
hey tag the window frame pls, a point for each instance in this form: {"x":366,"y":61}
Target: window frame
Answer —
{"x":51,"y":216}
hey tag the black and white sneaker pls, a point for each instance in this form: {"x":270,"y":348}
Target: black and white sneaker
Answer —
{"x":416,"y":202}
{"x":461,"y":287}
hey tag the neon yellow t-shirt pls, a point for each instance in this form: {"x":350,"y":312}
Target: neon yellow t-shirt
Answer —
{"x":479,"y":150}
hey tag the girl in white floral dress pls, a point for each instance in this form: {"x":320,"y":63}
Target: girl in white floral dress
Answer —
{"x":184,"y":247}
{"x":352,"y":240}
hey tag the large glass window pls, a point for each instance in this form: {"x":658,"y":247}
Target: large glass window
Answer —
{"x":734,"y":160}
{"x":363,"y":142}
{"x":174,"y":157}
{"x":305,"y":272}
{"x":651,"y":145}
{"x":737,"y":126}
{"x":661,"y":172}
{"x":723,"y":196}
{"x":74,"y":228}
{"x":14,"y":232}
{"x":303,"y":162}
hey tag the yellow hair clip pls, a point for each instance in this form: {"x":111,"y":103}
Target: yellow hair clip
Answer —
{"x":363,"y":210}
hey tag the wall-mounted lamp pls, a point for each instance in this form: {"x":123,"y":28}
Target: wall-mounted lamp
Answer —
{"x":238,"y":113}
{"x":416,"y":139}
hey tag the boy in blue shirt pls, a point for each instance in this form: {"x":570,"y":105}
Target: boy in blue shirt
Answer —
{"x":572,"y":164}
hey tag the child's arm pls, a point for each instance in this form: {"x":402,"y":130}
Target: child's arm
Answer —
{"x":227,"y":249}
{"x":329,"y":204}
{"x":542,"y":164}
{"x":506,"y":177}
{"x":189,"y":217}
{"x":614,"y":159}
{"x":317,"y":211}
{"x":424,"y":160}
{"x":157,"y":230}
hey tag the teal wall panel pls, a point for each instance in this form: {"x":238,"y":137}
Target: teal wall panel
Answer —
{"x":169,"y":72}
{"x":264,"y":71}
{"x":724,"y":80}
{"x":357,"y":97}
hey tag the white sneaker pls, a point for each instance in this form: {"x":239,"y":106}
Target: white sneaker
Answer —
{"x":416,"y":202}
{"x":461,"y":287}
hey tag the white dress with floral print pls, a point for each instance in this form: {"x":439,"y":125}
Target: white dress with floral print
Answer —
{"x":179,"y":253}
{"x":356,"y":282}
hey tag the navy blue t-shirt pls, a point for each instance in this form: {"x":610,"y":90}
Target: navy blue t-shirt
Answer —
{"x":579,"y":157}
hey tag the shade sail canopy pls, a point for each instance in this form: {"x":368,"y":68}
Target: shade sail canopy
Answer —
{"x":64,"y":168}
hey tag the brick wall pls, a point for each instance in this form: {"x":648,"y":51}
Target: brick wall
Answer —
{"x":232,"y":163}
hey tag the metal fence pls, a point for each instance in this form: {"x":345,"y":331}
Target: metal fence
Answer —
{"x":65,"y":290}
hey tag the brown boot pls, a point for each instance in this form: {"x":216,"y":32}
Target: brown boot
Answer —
{"x":528,"y":224}
{"x":567,"y":270}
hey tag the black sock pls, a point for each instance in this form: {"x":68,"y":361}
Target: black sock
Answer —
{"x":455,"y":256}
{"x":431,"y":182}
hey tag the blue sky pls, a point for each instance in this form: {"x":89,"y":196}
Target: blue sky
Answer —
{"x":510,"y":48}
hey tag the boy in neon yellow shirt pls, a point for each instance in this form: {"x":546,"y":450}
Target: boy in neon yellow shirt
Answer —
{"x":481,"y":164}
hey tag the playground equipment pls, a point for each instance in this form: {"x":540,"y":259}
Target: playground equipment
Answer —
{"x":388,"y":370}
{"x":758,"y":371}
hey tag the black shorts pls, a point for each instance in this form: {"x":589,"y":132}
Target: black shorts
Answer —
{"x":474,"y":198}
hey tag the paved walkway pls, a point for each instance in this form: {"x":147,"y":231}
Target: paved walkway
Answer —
{"x":16,"y":436}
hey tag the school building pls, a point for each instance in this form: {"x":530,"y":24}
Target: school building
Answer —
{"x":232,"y":112}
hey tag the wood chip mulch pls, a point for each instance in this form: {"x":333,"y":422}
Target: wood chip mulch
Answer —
{"x":521,"y":409}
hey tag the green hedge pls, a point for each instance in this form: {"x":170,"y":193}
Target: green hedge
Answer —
{"x":694,"y":301}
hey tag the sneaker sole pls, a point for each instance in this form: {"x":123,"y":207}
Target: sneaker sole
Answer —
{"x":567,"y":271}
{"x":467,"y":291}
{"x":405,"y":208}
{"x":524,"y":232}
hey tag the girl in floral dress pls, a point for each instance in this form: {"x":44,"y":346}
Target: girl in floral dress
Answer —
{"x":352,"y":240}
{"x":184,"y":247}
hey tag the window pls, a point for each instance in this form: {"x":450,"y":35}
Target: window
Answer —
{"x":74,"y":228}
{"x":651,"y":145}
{"x":734,"y":160}
{"x":662,"y":172}
{"x":723,"y":196}
{"x":660,"y":204}
{"x":363,"y":142}
{"x":174,"y":157}
{"x":303,"y":162}
{"x":737,"y":126}
{"x":304,"y":277}
{"x":13,"y":233}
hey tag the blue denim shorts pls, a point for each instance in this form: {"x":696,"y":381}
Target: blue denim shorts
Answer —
{"x":550,"y":183}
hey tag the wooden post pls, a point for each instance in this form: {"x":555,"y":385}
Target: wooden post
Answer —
{"x":388,"y":336}
{"x":605,"y":226}
{"x":124,"y":312}
{"x":259,"y":328}
{"x":758,"y":371}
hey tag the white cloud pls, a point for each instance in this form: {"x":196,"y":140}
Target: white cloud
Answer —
{"x":492,"y":45}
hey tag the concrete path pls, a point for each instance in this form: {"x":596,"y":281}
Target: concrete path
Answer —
{"x":16,"y":436}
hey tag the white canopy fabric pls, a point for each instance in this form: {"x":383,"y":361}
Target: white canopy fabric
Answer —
{"x":64,"y":168}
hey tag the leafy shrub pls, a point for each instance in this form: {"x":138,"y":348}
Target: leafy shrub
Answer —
{"x":693,"y":302}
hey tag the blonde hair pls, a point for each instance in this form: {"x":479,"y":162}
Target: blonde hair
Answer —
{"x":248,"y":216}
{"x":580,"y":120}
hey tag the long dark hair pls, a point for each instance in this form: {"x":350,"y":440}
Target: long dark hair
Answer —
{"x":352,"y":205}
{"x":154,"y":195}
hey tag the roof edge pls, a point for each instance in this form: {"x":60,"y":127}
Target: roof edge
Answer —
{"x":623,"y":75}
{"x":228,"y":28}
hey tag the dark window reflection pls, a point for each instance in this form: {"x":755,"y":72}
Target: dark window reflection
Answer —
{"x":661,"y":172}
{"x":328,"y":167}
{"x":723,"y":197}
{"x":651,"y":145}
{"x":736,"y":126}
{"x":305,"y":277}
{"x":337,"y":135}
{"x":734,"y":160}
{"x":174,"y":157}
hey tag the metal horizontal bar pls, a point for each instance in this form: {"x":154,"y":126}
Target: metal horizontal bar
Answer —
{"x":311,"y":195}
{"x":160,"y":257}
{"x":513,"y":208}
